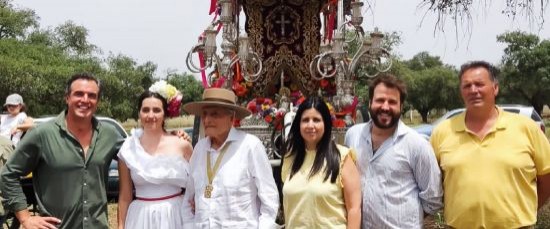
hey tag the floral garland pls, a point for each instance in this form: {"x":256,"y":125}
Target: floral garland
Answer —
{"x":171,"y":94}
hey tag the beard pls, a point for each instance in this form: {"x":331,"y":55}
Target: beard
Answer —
{"x":393,"y":121}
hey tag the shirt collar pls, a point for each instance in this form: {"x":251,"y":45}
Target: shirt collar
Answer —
{"x":232,"y":136}
{"x":501,"y":120}
{"x":399,"y":131}
{"x":459,"y":122}
{"x":61,"y":121}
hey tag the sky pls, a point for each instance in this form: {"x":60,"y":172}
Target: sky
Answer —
{"x":163,"y":31}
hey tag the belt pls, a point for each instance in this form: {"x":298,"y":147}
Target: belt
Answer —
{"x":160,"y":198}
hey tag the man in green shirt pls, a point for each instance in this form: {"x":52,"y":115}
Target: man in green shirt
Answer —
{"x":69,"y":159}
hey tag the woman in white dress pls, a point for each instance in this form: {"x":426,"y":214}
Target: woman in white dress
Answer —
{"x":156,"y":164}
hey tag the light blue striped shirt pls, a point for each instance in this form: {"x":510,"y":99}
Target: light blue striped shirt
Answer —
{"x":400,"y":181}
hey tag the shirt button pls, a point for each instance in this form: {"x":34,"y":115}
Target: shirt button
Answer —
{"x":85,"y":201}
{"x":85,"y":218}
{"x":85,"y":184}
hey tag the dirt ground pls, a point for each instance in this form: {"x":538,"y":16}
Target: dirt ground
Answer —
{"x":112,"y":215}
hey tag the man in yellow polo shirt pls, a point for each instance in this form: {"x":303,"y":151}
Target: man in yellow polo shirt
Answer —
{"x":495,"y":164}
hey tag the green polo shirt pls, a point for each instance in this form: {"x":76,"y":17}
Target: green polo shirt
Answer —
{"x":66,"y":184}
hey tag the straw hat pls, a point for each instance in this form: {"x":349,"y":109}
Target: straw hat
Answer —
{"x":217,"y":97}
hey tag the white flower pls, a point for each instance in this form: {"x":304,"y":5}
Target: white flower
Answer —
{"x":162,"y":88}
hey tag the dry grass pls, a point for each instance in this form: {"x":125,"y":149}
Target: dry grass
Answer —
{"x":112,"y":215}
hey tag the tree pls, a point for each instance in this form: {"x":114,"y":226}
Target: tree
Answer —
{"x":14,"y":23}
{"x":73,"y":38}
{"x":460,"y":10}
{"x":38,"y":72}
{"x":424,"y":60}
{"x":431,"y":84}
{"x":525,"y":68}
{"x":190,"y":88}
{"x":37,"y":63}
{"x":43,"y":37}
{"x":122,"y":83}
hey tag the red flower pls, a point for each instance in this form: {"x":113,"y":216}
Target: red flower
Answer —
{"x":338,"y":123}
{"x":300,"y":101}
{"x":267,"y":101}
{"x":239,"y":89}
{"x":251,"y":106}
{"x":174,"y":107}
{"x":268,"y":118}
{"x":324,"y":83}
{"x":236,"y":122}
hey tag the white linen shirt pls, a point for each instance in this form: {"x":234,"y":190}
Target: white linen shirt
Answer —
{"x":244,"y":194}
{"x":400,"y":181}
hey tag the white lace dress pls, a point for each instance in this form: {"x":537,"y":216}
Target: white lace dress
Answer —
{"x":154,"y":177}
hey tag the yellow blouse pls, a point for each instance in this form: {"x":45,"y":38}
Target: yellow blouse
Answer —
{"x":312,"y":202}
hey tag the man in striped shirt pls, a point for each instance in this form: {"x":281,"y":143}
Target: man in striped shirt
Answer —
{"x":400,"y":178}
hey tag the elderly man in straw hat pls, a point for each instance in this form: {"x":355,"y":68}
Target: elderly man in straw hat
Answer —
{"x":231,"y":181}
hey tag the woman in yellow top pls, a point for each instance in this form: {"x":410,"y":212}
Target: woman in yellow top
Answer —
{"x":321,"y":182}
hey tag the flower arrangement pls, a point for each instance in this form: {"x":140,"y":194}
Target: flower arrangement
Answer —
{"x":267,"y":110}
{"x":171,"y":94}
{"x":328,"y":87}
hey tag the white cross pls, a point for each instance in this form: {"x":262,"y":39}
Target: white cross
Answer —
{"x":282,"y":22}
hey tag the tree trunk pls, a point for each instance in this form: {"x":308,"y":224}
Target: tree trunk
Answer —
{"x":424,"y":115}
{"x":537,"y":102}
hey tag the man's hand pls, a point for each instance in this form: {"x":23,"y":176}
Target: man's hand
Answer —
{"x":39,"y":222}
{"x":182,"y":135}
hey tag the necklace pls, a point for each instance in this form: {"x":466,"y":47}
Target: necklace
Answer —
{"x":211,"y":172}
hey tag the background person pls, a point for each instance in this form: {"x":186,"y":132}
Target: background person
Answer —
{"x":156,"y":164}
{"x":321,"y":182}
{"x":15,"y":122}
{"x":499,"y":160}
{"x":6,"y":149}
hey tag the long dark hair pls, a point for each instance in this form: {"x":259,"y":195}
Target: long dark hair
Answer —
{"x":326,"y":151}
{"x":148,"y":94}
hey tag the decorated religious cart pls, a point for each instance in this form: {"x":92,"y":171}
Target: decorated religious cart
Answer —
{"x":276,"y":52}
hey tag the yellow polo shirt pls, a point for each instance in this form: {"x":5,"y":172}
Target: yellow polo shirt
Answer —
{"x":491,"y":182}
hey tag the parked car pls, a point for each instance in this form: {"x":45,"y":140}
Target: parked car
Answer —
{"x":112,"y":181}
{"x":528,"y":111}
